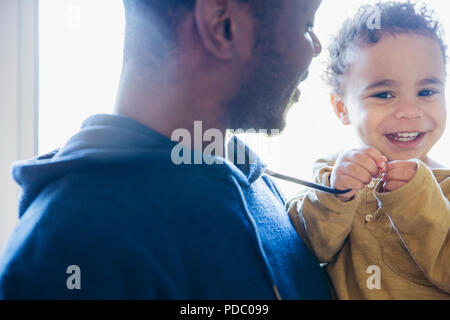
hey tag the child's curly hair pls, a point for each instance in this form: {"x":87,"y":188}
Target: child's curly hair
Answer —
{"x":396,"y":17}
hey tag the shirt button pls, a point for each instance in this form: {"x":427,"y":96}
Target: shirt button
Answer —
{"x":369,"y":217}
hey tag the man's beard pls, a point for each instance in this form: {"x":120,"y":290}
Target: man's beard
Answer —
{"x":265,"y":95}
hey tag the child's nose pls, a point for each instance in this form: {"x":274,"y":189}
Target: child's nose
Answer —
{"x":409,"y":110}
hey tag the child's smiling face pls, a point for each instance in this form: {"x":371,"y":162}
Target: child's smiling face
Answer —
{"x":394,"y":95}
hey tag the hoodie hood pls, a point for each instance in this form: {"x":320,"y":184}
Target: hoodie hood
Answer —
{"x":150,"y":232}
{"x":109,"y":139}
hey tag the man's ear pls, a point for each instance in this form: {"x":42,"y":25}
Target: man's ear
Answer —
{"x":340,"y":108}
{"x":215,"y":26}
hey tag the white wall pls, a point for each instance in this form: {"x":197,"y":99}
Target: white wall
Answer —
{"x":17,"y":100}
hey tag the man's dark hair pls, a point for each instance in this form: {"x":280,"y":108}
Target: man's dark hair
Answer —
{"x":160,"y":34}
{"x":395,"y":17}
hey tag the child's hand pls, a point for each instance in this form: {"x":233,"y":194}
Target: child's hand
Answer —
{"x":398,"y":173}
{"x":354,"y":169}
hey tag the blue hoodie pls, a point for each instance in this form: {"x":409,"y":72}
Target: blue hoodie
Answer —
{"x":136,"y":226}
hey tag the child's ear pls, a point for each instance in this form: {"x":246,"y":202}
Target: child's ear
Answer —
{"x":340,"y":108}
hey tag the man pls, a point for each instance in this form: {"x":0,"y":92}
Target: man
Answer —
{"x":111,"y":216}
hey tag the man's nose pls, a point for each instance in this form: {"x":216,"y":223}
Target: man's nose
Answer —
{"x":408,"y":110}
{"x":317,"y":44}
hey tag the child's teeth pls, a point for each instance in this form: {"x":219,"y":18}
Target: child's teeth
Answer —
{"x":408,"y":134}
{"x":405,"y":136}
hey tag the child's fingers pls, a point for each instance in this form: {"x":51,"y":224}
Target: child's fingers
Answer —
{"x":365,"y":161}
{"x":393,"y":185}
{"x":401,"y":164}
{"x":379,"y":159}
{"x":401,"y":174}
{"x":344,"y":181}
{"x":403,"y":170}
{"x":356,"y":171}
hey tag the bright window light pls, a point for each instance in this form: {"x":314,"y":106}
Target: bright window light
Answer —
{"x":80,"y":62}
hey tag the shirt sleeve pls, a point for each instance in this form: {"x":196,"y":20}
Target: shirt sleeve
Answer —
{"x":420,"y":212}
{"x":322,"y":220}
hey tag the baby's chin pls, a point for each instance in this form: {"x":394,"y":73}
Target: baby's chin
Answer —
{"x":405,"y":155}
{"x":387,"y":150}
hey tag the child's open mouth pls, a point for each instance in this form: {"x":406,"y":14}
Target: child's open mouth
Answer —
{"x":405,"y":139}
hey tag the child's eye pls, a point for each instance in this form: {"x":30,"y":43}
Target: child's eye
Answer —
{"x":383,"y":95}
{"x":426,"y":93}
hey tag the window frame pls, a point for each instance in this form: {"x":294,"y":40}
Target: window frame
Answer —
{"x":18,"y":99}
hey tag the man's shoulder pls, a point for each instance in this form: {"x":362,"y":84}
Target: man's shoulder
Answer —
{"x":152,"y":186}
{"x":140,"y":223}
{"x":92,"y":204}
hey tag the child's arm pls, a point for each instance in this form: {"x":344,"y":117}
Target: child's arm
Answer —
{"x":324,"y":220}
{"x":420,"y":212}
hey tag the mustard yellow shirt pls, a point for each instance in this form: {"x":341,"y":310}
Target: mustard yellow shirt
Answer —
{"x":391,"y":245}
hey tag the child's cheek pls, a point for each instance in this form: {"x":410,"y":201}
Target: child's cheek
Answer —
{"x":367,"y":126}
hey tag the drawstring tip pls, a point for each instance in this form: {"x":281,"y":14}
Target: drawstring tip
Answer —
{"x":277,"y":293}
